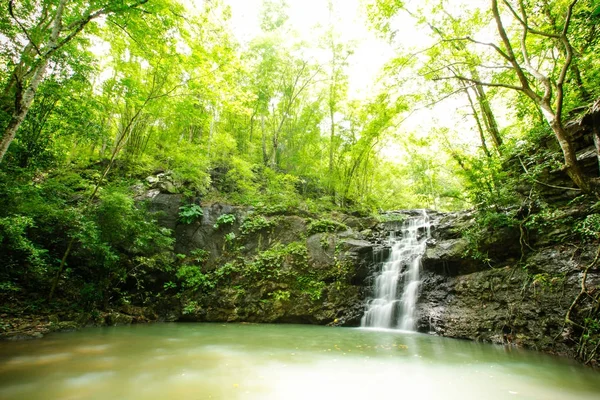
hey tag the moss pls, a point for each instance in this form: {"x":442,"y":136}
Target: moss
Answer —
{"x":256,"y":223}
{"x":325,"y":225}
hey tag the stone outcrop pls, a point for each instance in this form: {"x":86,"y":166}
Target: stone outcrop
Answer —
{"x":507,"y":301}
{"x":277,"y":270}
{"x":265,"y":268}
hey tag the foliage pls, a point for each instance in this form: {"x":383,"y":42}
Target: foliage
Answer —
{"x":589,"y":228}
{"x":325,"y":225}
{"x":191,"y":277}
{"x":225,"y":271}
{"x":312,"y":286}
{"x":273,"y":124}
{"x":190,"y":307}
{"x":486,"y":223}
{"x":199,"y":255}
{"x":116,"y":243}
{"x":190,"y":213}
{"x":13,"y":235}
{"x":229,"y":238}
{"x":255,"y":223}
{"x":280,"y":295}
{"x":224,"y":219}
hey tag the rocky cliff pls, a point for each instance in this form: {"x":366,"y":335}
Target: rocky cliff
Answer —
{"x":507,"y":283}
{"x":262,"y":265}
{"x":520,"y":295}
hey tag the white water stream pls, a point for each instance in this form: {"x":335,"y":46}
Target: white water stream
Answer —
{"x":394,"y":307}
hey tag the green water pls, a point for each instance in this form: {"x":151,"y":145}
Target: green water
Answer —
{"x":214,"y":361}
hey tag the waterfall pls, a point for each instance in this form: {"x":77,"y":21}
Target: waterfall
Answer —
{"x":387,"y":309}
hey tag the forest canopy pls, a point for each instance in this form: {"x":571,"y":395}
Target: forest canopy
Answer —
{"x":466,"y":89}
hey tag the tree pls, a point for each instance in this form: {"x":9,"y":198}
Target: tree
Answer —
{"x":543,"y":83}
{"x":457,"y":58}
{"x":338,"y":81}
{"x":37,"y":30}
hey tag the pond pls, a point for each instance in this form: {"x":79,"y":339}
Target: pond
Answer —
{"x":248,"y":361}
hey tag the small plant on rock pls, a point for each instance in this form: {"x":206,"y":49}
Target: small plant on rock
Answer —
{"x":189,"y":213}
{"x":325,"y":225}
{"x":255,"y":224}
{"x":225,"y":219}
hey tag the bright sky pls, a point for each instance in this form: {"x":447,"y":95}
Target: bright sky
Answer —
{"x":305,"y":16}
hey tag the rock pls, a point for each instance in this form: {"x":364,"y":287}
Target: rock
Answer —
{"x":166,"y":207}
{"x":359,"y":223}
{"x":506,"y":305}
{"x":139,"y":314}
{"x":116,"y":318}
{"x":356,"y":246}
{"x":321,"y":249}
{"x":167,"y":187}
{"x":66,"y":326}
{"x":447,"y":250}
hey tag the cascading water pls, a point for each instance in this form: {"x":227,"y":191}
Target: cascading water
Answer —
{"x":387,"y":309}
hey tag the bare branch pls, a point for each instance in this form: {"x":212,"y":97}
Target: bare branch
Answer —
{"x":514,"y":13}
{"x":12,"y":14}
{"x":492,"y":45}
{"x":525,"y":87}
{"x":478,"y":82}
{"x":128,"y":34}
{"x":525,"y":53}
{"x":568,"y":59}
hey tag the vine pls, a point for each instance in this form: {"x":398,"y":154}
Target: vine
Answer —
{"x":589,"y":342}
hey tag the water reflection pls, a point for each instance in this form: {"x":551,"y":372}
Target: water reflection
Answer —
{"x":213,"y":361}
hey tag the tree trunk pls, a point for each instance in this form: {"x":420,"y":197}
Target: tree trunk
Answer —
{"x":22,"y":108}
{"x":479,"y":127}
{"x":488,"y":118}
{"x":264,"y":141}
{"x":331,"y":140}
{"x":594,"y":113}
{"x":570,"y":156}
{"x":275,"y":141}
{"x":211,"y":131}
{"x":596,"y":135}
{"x":23,"y":104}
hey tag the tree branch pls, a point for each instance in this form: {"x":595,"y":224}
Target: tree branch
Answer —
{"x":11,"y":12}
{"x":568,"y":59}
{"x":478,"y":82}
{"x":492,"y":45}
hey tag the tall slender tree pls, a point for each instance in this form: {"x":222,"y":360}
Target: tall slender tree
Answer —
{"x":37,"y":31}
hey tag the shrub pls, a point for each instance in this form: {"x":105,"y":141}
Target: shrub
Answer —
{"x":191,"y":277}
{"x":255,"y":224}
{"x":589,"y":228}
{"x":225,"y":219}
{"x":325,"y":225}
{"x":190,"y":213}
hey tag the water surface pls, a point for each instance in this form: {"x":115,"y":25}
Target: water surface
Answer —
{"x":243,"y":361}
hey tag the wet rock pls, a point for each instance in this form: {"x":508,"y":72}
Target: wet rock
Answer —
{"x":446,"y":250}
{"x":66,"y":326}
{"x":508,"y":305}
{"x":321,"y":249}
{"x":116,"y":318}
{"x":165,"y":206}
